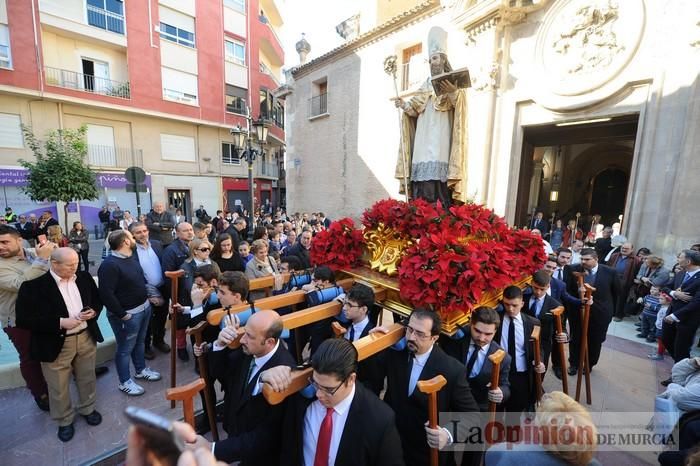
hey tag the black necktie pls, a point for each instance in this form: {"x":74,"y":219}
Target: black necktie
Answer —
{"x":472,"y":359}
{"x":511,"y":343}
{"x":352,"y":333}
{"x":533,"y":307}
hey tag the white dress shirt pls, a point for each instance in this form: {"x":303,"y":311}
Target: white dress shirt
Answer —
{"x":480,"y":358}
{"x":575,"y":258}
{"x":359,"y":328}
{"x":418,"y":365}
{"x":71,"y":296}
{"x":520,"y":357}
{"x":312,"y":426}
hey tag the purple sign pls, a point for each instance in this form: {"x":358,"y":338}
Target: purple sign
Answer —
{"x":18,"y":177}
{"x":72,"y":207}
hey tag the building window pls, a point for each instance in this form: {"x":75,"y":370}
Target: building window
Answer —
{"x":106,"y":14}
{"x":235,"y":51}
{"x":96,"y":76}
{"x":265,"y":104}
{"x":5,"y":50}
{"x":236,"y":99}
{"x":179,"y":86}
{"x":180,"y":148}
{"x":177,"y":35}
{"x":238,"y":5}
{"x":11,"y":131}
{"x":278,"y":114}
{"x":229,"y":154}
{"x":319,"y":103}
{"x":411,"y":72}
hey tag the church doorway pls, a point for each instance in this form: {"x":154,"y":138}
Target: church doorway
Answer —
{"x":574,"y":171}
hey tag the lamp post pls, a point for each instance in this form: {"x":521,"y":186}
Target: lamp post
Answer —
{"x":242,"y":140}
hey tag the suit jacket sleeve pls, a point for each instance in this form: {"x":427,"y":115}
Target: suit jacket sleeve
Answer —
{"x":30,"y":309}
{"x":390,"y":452}
{"x":503,"y":382}
{"x":690,"y":310}
{"x":462,"y":399}
{"x":95,"y":300}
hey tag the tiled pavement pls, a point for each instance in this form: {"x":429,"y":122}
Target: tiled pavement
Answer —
{"x":624,"y":380}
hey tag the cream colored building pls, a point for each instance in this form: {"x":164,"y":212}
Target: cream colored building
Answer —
{"x":576,"y":106}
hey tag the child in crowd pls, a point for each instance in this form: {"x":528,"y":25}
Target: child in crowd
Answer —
{"x":275,"y":243}
{"x":649,"y":313}
{"x":664,"y":302}
{"x":244,"y":251}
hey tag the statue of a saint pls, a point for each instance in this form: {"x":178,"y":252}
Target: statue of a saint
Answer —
{"x":434,"y":133}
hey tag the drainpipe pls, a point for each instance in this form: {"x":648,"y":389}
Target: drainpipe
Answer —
{"x":37,"y":52}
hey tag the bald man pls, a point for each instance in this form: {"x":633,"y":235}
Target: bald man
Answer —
{"x":160,"y":223}
{"x":253,"y":426}
{"x":60,"y":308}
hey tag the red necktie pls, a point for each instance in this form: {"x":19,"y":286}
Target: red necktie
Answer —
{"x":323,"y":446}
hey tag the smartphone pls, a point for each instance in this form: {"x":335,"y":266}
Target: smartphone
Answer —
{"x":158,"y":433}
{"x":41,"y":239}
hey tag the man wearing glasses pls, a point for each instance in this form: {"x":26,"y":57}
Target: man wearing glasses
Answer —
{"x":253,"y":425}
{"x":345,"y":423}
{"x":358,"y":301}
{"x":422,"y":359}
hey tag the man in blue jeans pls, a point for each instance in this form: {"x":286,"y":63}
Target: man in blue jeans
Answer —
{"x":122,"y":287}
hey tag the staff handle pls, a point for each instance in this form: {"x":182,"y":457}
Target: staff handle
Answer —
{"x":174,"y":277}
{"x":431,"y":388}
{"x":557,"y":312}
{"x":535,"y":337}
{"x":496,"y":358}
{"x":204,"y":375}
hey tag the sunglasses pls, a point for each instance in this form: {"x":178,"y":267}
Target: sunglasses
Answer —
{"x":204,"y":249}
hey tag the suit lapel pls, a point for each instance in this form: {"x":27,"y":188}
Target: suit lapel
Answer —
{"x":56,"y":295}
{"x":351,"y":429}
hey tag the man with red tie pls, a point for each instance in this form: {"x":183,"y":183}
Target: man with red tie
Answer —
{"x":345,"y":423}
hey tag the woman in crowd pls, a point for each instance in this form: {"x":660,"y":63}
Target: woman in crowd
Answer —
{"x":200,"y":249}
{"x":291,"y":239}
{"x":651,"y":271}
{"x":78,"y":241}
{"x":126,"y":221}
{"x":557,"y":235}
{"x":260,"y":232}
{"x":54,"y":233}
{"x":225,"y":256}
{"x":556,"y":409}
{"x":262,"y":265}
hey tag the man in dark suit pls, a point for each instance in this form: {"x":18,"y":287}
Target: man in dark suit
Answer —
{"x":301,"y":249}
{"x":538,"y":222}
{"x":604,"y":245}
{"x":253,"y":425}
{"x":60,"y":308}
{"x":358,"y":301}
{"x":422,"y":359}
{"x":149,"y":253}
{"x":344,"y":424}
{"x":683,"y":316}
{"x":605,"y":281}
{"x":539,"y":304}
{"x":514,"y":336}
{"x":160,"y":223}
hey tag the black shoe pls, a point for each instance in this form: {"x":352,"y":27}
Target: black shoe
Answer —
{"x":183,"y":354}
{"x":572,"y":370}
{"x":162,"y":346}
{"x":641,"y":335}
{"x":557,"y":373}
{"x":666,"y":382}
{"x":93,"y":419}
{"x":102,"y":370}
{"x":65,"y":433}
{"x":43,"y":402}
{"x":149,"y":354}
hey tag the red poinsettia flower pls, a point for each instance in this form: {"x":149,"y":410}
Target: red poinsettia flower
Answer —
{"x":340,"y":246}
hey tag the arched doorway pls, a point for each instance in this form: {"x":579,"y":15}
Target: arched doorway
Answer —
{"x":608,"y":195}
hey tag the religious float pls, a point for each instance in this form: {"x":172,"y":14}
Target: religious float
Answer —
{"x":450,"y":259}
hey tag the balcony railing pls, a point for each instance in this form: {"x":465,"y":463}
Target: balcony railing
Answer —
{"x":319,"y":104}
{"x":105,"y":19}
{"x":268,"y":71}
{"x":87,"y":82}
{"x":111,"y":156}
{"x":266,"y":169}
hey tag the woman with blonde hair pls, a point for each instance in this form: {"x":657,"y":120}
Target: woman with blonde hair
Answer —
{"x":54,"y":233}
{"x":562,"y":434}
{"x":262,"y":265}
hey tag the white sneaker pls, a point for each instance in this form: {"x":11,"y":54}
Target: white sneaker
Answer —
{"x":131,"y":388}
{"x":148,"y":374}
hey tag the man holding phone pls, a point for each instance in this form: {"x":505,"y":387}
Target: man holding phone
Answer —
{"x":60,"y":308}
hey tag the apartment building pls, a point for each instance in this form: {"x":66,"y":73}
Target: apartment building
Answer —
{"x":158,"y":83}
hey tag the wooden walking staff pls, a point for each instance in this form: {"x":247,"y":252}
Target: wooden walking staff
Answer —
{"x":431,"y":388}
{"x":496,"y":358}
{"x":583,"y":364}
{"x":204,"y":375}
{"x":174,"y":276}
{"x":557,"y":312}
{"x":535,"y":338}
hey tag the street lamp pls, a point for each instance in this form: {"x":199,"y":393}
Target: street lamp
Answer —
{"x":240,"y":138}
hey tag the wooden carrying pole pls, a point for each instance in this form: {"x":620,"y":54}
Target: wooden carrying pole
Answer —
{"x":338,"y":330}
{"x":174,"y":276}
{"x":496,"y":358}
{"x":186,"y":394}
{"x":557,"y":312}
{"x":584,"y":363}
{"x":366,"y":347}
{"x":431,"y":388}
{"x":535,"y":337}
{"x":204,"y":375}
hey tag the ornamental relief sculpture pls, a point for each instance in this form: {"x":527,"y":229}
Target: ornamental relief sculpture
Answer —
{"x":584,"y":44}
